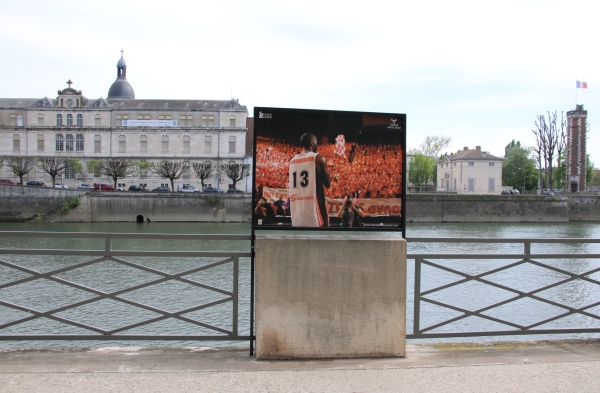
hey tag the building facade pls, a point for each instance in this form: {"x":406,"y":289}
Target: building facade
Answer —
{"x":470,"y":172}
{"x":576,"y":153}
{"x":123,"y":127}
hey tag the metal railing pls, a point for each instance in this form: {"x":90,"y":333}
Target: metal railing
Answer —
{"x":562,"y":310}
{"x":66,"y":273}
{"x":26,"y":275}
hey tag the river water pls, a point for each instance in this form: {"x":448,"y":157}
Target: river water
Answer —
{"x":173,"y":296}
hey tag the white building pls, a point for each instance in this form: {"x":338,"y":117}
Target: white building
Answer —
{"x":121,"y":126}
{"x":470,"y":172}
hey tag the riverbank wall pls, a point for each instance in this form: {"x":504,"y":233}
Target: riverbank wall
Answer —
{"x":22,"y":203}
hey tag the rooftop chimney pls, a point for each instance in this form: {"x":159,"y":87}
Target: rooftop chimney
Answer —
{"x":466,"y":148}
{"x":478,"y":148}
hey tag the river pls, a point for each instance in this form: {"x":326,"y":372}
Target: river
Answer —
{"x":110,"y":313}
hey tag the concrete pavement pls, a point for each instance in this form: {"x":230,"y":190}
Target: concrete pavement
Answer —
{"x":540,"y":366}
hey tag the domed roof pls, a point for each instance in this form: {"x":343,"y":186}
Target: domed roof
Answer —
{"x":121,"y":89}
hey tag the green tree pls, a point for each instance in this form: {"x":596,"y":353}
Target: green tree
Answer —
{"x":115,"y":169}
{"x":589,"y":169}
{"x":422,"y":170}
{"x":518,"y":168}
{"x":56,"y":166}
{"x":432,"y":145}
{"x":235,"y":172}
{"x":172,"y":170}
{"x":203,"y":171}
{"x":510,"y":146}
{"x":20,"y":165}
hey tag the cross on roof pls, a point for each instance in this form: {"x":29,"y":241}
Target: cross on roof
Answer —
{"x":69,"y":83}
{"x":122,"y":53}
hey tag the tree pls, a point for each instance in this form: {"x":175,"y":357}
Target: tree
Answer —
{"x":172,"y":170}
{"x":114,"y":169}
{"x":518,"y":168}
{"x":20,"y":165}
{"x":56,"y":166}
{"x":510,"y":146}
{"x":235,"y":172}
{"x":422,"y":170}
{"x":550,"y":139}
{"x":432,"y":145}
{"x":203,"y":171}
{"x":589,"y":169}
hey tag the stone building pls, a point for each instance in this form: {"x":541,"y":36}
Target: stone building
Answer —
{"x":470,"y":172}
{"x":576,"y":154}
{"x":121,"y":126}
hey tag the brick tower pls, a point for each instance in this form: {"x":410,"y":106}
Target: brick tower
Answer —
{"x":576,"y":121}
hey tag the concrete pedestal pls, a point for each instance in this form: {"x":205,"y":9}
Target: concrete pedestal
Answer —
{"x":330,"y":297}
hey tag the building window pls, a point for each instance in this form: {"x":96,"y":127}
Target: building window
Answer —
{"x":143,"y":117}
{"x":165,"y":144}
{"x":143,"y":172}
{"x":207,"y":144}
{"x":204,"y":121}
{"x":491,"y":185}
{"x":232,"y":144}
{"x":69,"y":142}
{"x":97,"y":121}
{"x":97,"y":143}
{"x":69,"y":120}
{"x":211,"y":121}
{"x":491,"y":164}
{"x":40,"y":120}
{"x":186,"y":170}
{"x":60,"y":142}
{"x":16,"y":143}
{"x":69,"y":173}
{"x":471,"y":185}
{"x":79,"y":142}
{"x":59,"y":119}
{"x":143,"y":144}
{"x":186,"y":143}
{"x":79,"y":120}
{"x":183,"y":121}
{"x":232,"y":121}
{"x":122,"y":140}
{"x":40,"y":143}
{"x":471,"y":163}
{"x":16,"y":120}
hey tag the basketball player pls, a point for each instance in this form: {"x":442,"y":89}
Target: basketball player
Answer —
{"x":308,"y":176}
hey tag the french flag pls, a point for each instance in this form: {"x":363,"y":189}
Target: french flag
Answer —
{"x":581,"y":85}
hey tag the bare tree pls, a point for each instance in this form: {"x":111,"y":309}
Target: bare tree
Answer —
{"x":56,"y":166}
{"x":20,"y":165}
{"x":115,"y":169}
{"x":172,"y":170}
{"x":432,"y":146}
{"x":235,"y":172}
{"x":550,"y":141}
{"x":203,"y":171}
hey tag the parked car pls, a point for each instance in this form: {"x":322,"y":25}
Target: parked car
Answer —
{"x":186,"y":188}
{"x":35,"y":183}
{"x":60,"y":185}
{"x":236,"y":191}
{"x":211,"y":190}
{"x":161,"y":189}
{"x":103,"y":187}
{"x":514,"y":191}
{"x":84,"y":186}
{"x":505,"y":192}
{"x":135,"y":188}
{"x":6,"y":181}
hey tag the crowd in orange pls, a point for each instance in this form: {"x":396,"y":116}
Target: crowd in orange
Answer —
{"x":363,"y":171}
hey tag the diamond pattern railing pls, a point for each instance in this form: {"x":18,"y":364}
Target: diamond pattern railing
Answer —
{"x":196,"y":262}
{"x":451,"y":315}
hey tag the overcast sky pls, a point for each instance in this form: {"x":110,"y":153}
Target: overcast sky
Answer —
{"x":477,"y":71}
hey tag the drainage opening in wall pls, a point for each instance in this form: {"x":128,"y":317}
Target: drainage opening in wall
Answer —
{"x":139,"y":218}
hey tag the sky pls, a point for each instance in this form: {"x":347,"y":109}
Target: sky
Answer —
{"x":479,"y":72}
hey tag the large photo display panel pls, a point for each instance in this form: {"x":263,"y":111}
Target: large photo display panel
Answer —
{"x":328,"y":170}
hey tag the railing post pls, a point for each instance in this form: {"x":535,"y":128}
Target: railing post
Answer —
{"x":417,"y":298}
{"x":236,"y":299}
{"x":107,"y":246}
{"x":527,"y":249}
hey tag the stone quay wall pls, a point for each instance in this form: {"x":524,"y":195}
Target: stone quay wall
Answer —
{"x":22,"y":203}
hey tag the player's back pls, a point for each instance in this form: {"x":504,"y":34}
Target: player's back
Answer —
{"x":304,"y":207}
